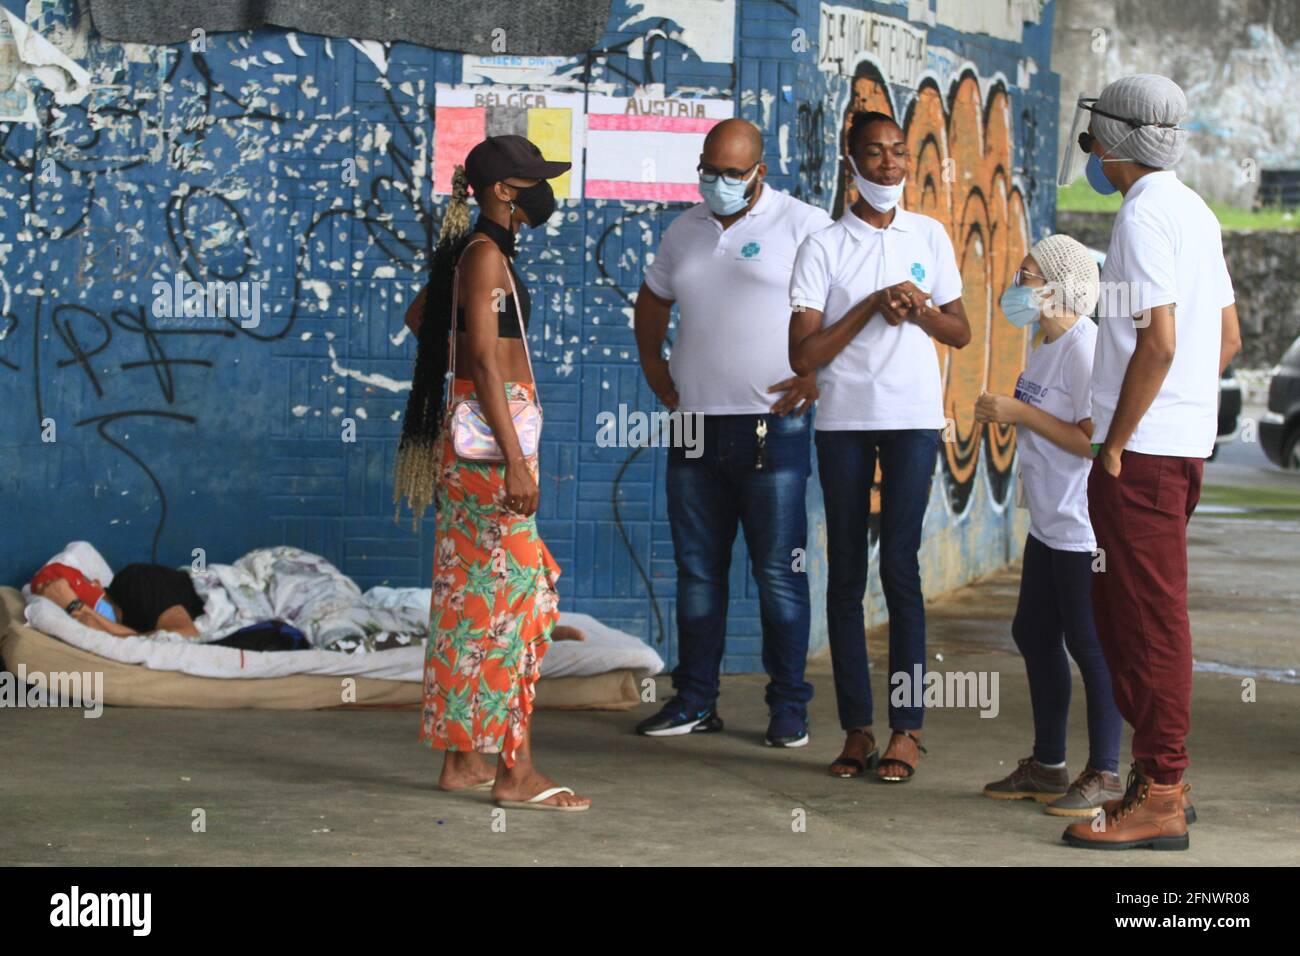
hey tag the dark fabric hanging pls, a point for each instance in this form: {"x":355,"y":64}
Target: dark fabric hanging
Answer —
{"x":534,"y":28}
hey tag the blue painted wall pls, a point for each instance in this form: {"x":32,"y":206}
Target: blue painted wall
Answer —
{"x":228,"y":164}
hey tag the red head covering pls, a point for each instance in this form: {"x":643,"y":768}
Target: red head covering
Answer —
{"x":84,"y":589}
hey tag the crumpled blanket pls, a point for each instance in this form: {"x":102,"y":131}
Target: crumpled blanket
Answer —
{"x":306,"y":591}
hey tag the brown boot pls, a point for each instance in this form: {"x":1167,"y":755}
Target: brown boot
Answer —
{"x":1150,"y":815}
{"x":1189,"y":811}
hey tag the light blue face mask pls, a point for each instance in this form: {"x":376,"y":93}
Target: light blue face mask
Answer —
{"x":1020,"y":305}
{"x":105,"y":607}
{"x":724,"y":199}
{"x":1097,"y":177}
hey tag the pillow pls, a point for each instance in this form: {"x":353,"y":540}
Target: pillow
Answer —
{"x":82,"y":556}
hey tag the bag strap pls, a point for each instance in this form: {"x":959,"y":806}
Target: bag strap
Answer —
{"x":455,"y":299}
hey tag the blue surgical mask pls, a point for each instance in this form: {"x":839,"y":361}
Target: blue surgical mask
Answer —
{"x":724,"y":199}
{"x":1020,"y":305}
{"x":1097,"y":177}
{"x":105,"y":607}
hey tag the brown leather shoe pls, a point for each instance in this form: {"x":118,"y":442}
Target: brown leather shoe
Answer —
{"x":1150,"y":815}
{"x":1090,"y":791}
{"x":1189,"y":811}
{"x":1030,"y":781}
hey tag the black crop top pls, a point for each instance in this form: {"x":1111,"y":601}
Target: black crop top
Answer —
{"x":507,"y":321}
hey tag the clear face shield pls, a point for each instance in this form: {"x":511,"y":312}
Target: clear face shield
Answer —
{"x":1073,"y":157}
{"x":1079,"y":146}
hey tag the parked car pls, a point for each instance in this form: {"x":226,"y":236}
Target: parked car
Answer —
{"x":1229,"y":387}
{"x":1279,"y":429}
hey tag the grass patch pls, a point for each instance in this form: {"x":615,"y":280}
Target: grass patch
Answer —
{"x":1080,"y":197}
{"x":1277,"y":503}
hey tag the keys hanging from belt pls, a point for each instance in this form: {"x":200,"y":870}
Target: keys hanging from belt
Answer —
{"x":761,"y":431}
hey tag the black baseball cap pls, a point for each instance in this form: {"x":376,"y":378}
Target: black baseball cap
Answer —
{"x":503,"y":157}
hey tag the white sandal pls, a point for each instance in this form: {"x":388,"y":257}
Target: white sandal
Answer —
{"x":535,"y":803}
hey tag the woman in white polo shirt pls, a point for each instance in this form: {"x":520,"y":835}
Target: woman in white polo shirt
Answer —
{"x":1057,"y":286}
{"x":871,"y":295}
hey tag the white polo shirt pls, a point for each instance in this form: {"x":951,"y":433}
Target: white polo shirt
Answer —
{"x":888,"y":376}
{"x":1166,"y":247}
{"x":1058,"y":379}
{"x":730,"y":286}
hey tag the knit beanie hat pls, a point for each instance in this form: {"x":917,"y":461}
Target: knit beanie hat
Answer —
{"x":1066,"y":263}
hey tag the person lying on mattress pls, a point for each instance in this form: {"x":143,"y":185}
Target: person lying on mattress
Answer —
{"x":141,"y":598}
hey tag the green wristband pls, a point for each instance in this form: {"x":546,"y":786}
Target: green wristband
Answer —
{"x":1096,"y":449}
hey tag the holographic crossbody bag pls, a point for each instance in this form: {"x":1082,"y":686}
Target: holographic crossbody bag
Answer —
{"x":472,"y":437}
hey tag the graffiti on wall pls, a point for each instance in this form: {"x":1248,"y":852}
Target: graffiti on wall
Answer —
{"x":198,"y":229}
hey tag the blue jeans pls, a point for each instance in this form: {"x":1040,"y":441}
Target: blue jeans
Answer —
{"x":847,"y":464}
{"x":707,"y":497}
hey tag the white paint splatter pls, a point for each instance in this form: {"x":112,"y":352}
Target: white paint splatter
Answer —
{"x":371,"y":378}
{"x":322,"y":290}
{"x":375,"y":52}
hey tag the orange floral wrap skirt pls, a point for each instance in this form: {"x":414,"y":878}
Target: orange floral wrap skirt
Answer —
{"x":494,"y":605}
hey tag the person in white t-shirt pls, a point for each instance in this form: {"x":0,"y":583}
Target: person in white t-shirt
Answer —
{"x":1167,"y":329}
{"x":726,"y":264}
{"x":871,"y":295}
{"x":1057,"y":287}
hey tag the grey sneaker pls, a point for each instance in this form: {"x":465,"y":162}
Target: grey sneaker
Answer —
{"x":1087,"y":794}
{"x":1030,"y":781}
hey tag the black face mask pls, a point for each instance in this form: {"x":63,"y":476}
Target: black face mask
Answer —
{"x":537,"y":202}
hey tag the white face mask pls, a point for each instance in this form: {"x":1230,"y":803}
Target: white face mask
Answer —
{"x":881,"y":198}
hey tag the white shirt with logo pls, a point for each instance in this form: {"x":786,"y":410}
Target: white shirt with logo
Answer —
{"x":1058,"y":379}
{"x":1166,"y":247}
{"x":888,"y":376}
{"x":730,"y":286}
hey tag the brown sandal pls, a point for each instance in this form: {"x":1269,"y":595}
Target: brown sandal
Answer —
{"x":857,"y":766}
{"x":885,"y":775}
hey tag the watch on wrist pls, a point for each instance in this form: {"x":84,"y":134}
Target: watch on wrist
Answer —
{"x":75,"y":604}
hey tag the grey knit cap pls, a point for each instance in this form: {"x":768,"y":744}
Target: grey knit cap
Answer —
{"x":1146,"y":98}
{"x":1066,"y":264}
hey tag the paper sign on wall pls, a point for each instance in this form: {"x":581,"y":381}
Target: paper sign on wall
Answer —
{"x":464,"y":117}
{"x":643,"y":147}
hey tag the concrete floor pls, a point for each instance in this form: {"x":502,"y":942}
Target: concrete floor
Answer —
{"x":355,"y":787}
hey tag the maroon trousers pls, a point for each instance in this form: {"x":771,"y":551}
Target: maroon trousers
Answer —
{"x":1140,"y":600}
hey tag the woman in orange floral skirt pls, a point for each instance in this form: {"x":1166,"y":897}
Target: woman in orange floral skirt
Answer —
{"x":495,"y":606}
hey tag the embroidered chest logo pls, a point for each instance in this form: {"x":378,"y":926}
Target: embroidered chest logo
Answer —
{"x":918,"y":272}
{"x":749,"y":250}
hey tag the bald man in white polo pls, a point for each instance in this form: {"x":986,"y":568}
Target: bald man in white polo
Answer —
{"x":726,"y":264}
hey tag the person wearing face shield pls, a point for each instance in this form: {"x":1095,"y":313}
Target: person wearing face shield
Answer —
{"x":1167,"y":329}
{"x":471,"y":444}
{"x":1057,"y":286}
{"x":871,"y":295}
{"x":726,"y":264}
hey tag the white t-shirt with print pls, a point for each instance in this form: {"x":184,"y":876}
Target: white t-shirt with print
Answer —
{"x":1058,"y":379}
{"x":888,"y":376}
{"x":1166,"y":247}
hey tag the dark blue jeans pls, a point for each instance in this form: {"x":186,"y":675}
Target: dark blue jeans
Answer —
{"x":846,"y":461}
{"x":1056,"y":603}
{"x":707,"y":497}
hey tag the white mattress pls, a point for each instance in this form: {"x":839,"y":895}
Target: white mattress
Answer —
{"x":605,"y":648}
